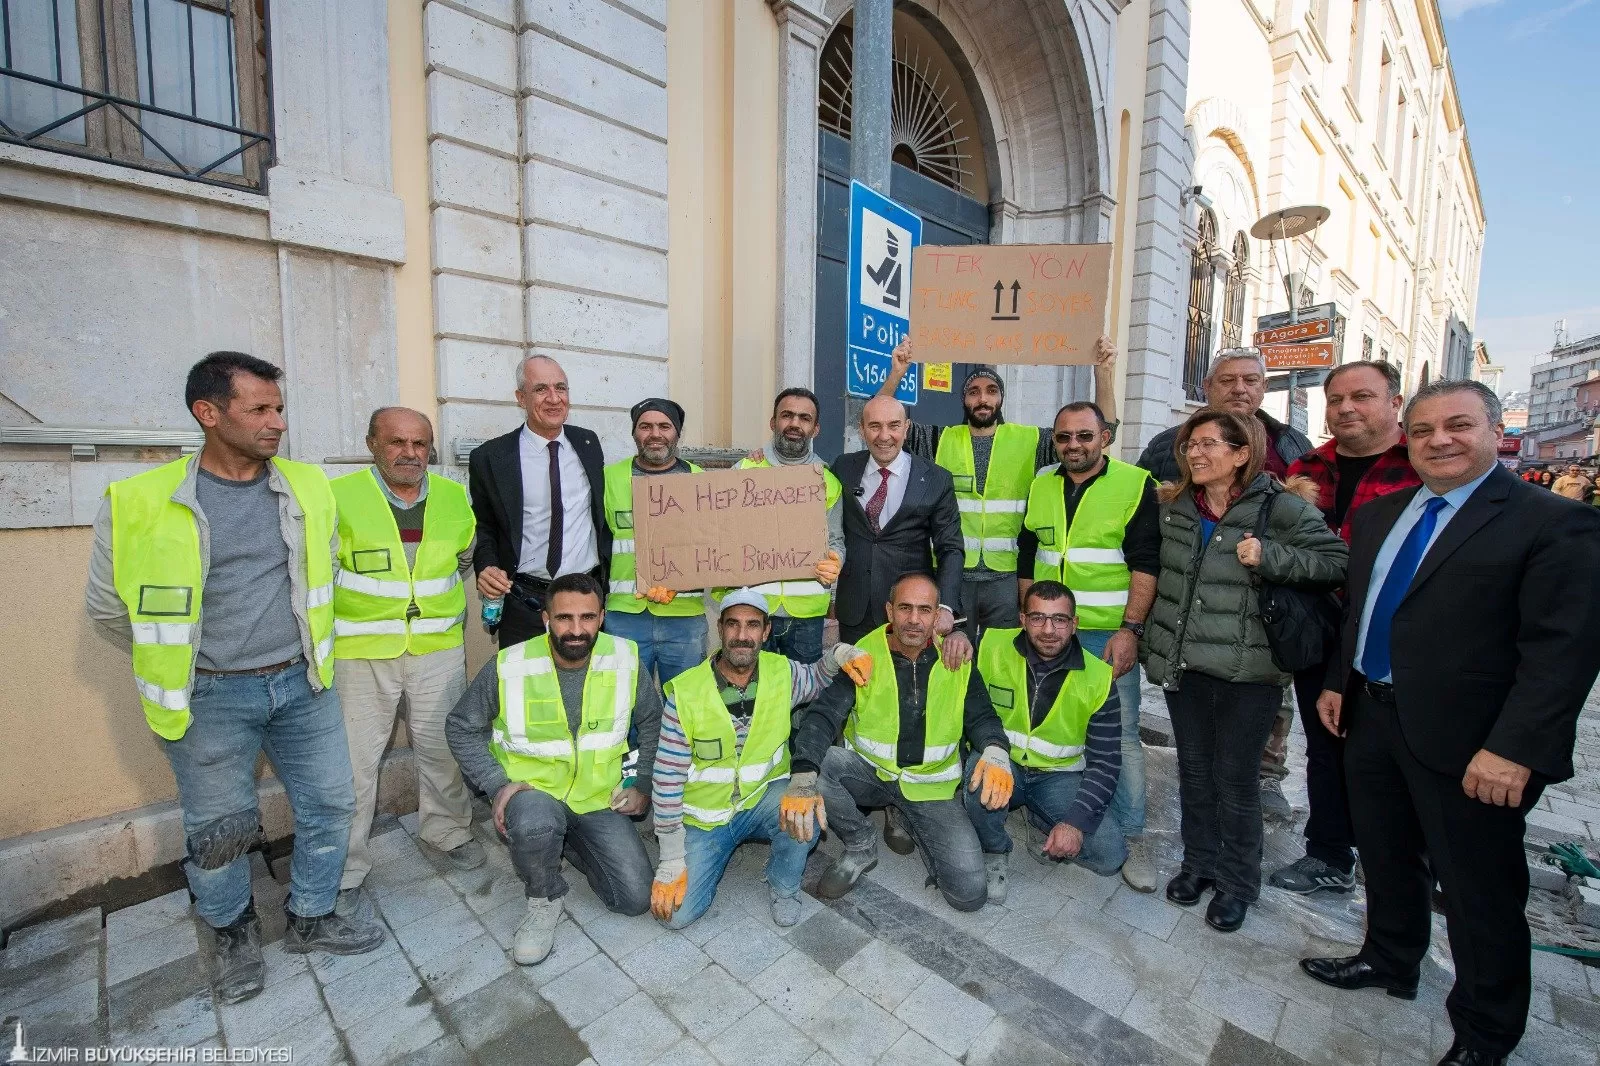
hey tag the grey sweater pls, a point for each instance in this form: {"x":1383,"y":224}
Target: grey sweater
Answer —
{"x":471,"y":723}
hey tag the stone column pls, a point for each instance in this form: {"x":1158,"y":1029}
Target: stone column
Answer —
{"x":801,"y":31}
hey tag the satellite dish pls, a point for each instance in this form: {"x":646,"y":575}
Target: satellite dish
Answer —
{"x":1289,"y":222}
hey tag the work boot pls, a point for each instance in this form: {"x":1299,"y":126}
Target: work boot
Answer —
{"x":463,"y":857}
{"x":994,"y":871}
{"x":1273,"y":802}
{"x":842,"y":876}
{"x":355,"y":904}
{"x":895,"y":833}
{"x":1137,"y":869}
{"x":240,"y":972}
{"x":331,"y":932}
{"x":785,"y":909}
{"x":537,"y":933}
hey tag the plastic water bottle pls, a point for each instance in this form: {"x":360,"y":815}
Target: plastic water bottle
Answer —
{"x":492,"y":610}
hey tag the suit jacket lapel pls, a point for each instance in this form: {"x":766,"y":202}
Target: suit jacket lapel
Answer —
{"x":1388,"y":509}
{"x":1481,"y":506}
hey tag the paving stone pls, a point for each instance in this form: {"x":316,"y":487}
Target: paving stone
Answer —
{"x":944,"y":1014}
{"x":796,"y":987}
{"x":1230,"y":997}
{"x":502,"y":1005}
{"x":1318,"y":1039}
{"x":438,"y":933}
{"x":1004,"y":1043}
{"x":821,"y":1058}
{"x":558,"y":1044}
{"x":391,"y":1035}
{"x":1096,"y":979}
{"x":570,"y":949}
{"x":828,"y":939}
{"x":664,"y":963}
{"x":1174,"y":1023}
{"x":314,"y":1041}
{"x":331,"y":968}
{"x":1235,"y":1047}
{"x":852,"y":1028}
{"x":713,"y":922}
{"x":1085,"y":885}
{"x":631,"y":1034}
{"x":1576,"y":1014}
{"x":47,"y":976}
{"x":169,"y":1005}
{"x":487,"y":888}
{"x":32,"y":943}
{"x":686,"y":1052}
{"x":168,"y":943}
{"x":70,"y":1017}
{"x":744,"y":948}
{"x":403,"y":904}
{"x":618,"y":935}
{"x":709,"y":1002}
{"x":463,"y":970}
{"x":445,"y":1051}
{"x":1031,"y":942}
{"x":761,"y":1036}
{"x":248,"y":1024}
{"x":588,"y":991}
{"x":280,"y":965}
{"x":1561,"y":971}
{"x":1149,"y":911}
{"x":387,"y":984}
{"x":1394,"y":1023}
{"x":142,"y":919}
{"x":882,"y":974}
{"x":1546,"y":1045}
{"x":912,"y":1049}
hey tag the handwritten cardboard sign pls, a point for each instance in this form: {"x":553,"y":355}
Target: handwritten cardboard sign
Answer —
{"x":729,"y":527}
{"x":1009,"y":303}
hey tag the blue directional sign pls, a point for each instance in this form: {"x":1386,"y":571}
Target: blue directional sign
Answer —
{"x":882,"y":234}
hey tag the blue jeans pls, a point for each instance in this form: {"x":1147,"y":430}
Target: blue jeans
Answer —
{"x":797,"y":638}
{"x":1048,"y":796}
{"x":235,"y":719}
{"x":1127,"y":806}
{"x":707,"y":851}
{"x":667,"y":646}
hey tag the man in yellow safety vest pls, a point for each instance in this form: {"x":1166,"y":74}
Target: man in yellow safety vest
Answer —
{"x":405,"y":543}
{"x":217,"y":570}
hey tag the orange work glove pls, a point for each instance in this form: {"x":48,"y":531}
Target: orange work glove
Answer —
{"x":992,"y":773}
{"x":672,"y":877}
{"x":853,"y":662}
{"x":801,"y":802}
{"x":656,"y":594}
{"x":828,"y":569}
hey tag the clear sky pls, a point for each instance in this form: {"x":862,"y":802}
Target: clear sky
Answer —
{"x":1528,"y":73}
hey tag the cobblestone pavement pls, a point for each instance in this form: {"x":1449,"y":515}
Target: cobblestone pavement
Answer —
{"x":1074,"y":969}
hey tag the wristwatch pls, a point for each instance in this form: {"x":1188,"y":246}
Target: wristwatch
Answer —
{"x":1136,"y":628}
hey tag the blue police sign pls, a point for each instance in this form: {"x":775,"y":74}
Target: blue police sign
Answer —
{"x":882,"y":234}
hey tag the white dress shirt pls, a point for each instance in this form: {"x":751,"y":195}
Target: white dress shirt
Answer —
{"x":899,"y":474}
{"x":579,"y":552}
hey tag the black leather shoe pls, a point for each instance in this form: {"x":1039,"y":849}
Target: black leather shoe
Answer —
{"x":1352,"y":972}
{"x":1186,"y":889}
{"x":1460,"y":1056}
{"x":1226,"y":912}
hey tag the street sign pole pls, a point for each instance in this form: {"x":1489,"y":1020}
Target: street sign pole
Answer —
{"x":872,"y":92}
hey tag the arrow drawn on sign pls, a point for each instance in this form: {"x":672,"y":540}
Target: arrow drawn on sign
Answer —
{"x":999,"y":291}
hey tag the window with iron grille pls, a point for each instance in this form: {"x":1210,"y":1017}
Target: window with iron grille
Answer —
{"x":1366,"y":347}
{"x":1233,"y":297}
{"x":176,"y":86}
{"x":1202,"y":299}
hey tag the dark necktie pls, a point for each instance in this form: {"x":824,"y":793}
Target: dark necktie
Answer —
{"x":1375,"y":661}
{"x":879,"y":498}
{"x":552,"y":559}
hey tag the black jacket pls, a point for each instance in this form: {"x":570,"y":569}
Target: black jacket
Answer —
{"x":1159,"y":458}
{"x":924,"y":531}
{"x":494,"y":476}
{"x":1494,"y":644}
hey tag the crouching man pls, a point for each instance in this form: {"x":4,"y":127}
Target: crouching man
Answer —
{"x":544,"y":730}
{"x":1061,"y":712}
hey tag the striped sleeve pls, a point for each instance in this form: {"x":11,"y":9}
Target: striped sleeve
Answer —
{"x":1103,"y":765}
{"x":809,"y":679}
{"x":671,"y":771}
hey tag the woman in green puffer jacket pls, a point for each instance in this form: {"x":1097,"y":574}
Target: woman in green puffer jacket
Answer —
{"x":1205,"y":645}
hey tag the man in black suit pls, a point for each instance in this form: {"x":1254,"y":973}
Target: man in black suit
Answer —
{"x":1467,"y":655}
{"x":900,"y":515}
{"x":539,"y":496}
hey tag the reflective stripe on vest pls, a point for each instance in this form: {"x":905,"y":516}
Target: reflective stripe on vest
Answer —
{"x":157,"y":570}
{"x":1087,"y":557}
{"x":716,"y":760}
{"x":797,"y":599}
{"x":531,"y":739}
{"x":619,"y":517}
{"x":1057,"y":742}
{"x":376,"y":587}
{"x":991,"y":520}
{"x":873,"y":728}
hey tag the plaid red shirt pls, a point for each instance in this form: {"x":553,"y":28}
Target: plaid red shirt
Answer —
{"x":1391,"y":473}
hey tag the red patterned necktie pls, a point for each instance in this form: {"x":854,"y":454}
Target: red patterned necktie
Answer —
{"x":879,"y":498}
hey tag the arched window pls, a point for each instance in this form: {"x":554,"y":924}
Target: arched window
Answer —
{"x":1233,"y":298}
{"x":1202,"y":295}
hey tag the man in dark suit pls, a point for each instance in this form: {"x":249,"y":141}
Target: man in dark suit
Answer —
{"x":539,"y":496}
{"x":900,"y":515}
{"x":1467,"y":654}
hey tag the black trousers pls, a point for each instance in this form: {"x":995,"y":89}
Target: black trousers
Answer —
{"x":1329,"y":836}
{"x":519,"y":621}
{"x":1413,"y":825}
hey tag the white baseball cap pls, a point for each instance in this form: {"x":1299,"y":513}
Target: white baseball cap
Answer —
{"x":746,"y":597}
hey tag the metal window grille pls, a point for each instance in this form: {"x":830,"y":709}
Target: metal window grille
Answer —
{"x":173,"y":86}
{"x":1233,"y":299}
{"x":1202,"y":297}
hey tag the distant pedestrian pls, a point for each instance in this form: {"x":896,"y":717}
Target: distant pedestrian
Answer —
{"x":1572,"y":484}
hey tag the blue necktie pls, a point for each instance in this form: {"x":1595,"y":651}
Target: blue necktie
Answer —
{"x":1375,"y":656}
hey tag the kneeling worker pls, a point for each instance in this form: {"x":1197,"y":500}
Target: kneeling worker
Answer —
{"x":543,"y":729}
{"x":724,"y":740}
{"x":1062,"y":714}
{"x":902,"y":734}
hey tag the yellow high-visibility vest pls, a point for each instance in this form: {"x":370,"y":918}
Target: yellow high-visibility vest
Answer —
{"x":1088,"y":557}
{"x":619,"y":516}
{"x":1057,"y":742}
{"x":873,"y":728}
{"x":992,"y":519}
{"x":716,"y":761}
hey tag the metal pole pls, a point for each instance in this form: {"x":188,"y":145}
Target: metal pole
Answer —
{"x":1294,"y":318}
{"x":871,"y":92}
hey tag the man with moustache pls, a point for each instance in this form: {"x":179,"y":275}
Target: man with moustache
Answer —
{"x":800,"y":608}
{"x":723,"y":758}
{"x":903,"y":732}
{"x":1466,"y":657}
{"x":991,"y":462}
{"x":538,"y":494}
{"x":1093,"y":524}
{"x":405,"y":543}
{"x":668,"y":627}
{"x":1366,"y":459}
{"x":543,"y":729}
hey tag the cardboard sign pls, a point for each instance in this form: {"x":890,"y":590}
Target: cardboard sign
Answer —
{"x":1300,"y":331}
{"x":1009,"y":303}
{"x":729,"y":527}
{"x":1308,"y":356}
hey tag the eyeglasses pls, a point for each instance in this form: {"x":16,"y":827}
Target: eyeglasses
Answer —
{"x":1207,"y":444}
{"x":1082,"y":436}
{"x":1056,"y":621}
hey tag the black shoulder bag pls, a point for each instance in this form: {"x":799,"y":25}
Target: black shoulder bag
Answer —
{"x":1299,"y":622}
